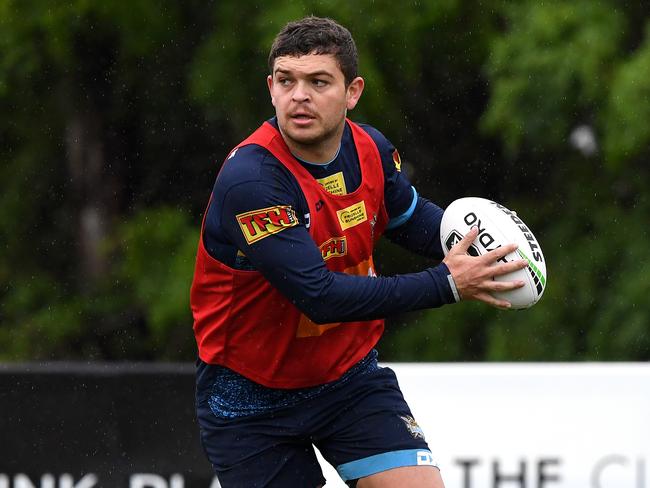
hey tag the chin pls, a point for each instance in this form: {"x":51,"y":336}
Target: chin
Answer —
{"x":306,"y":140}
{"x":306,"y":137}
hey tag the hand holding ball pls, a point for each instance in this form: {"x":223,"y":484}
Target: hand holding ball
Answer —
{"x":497,"y":228}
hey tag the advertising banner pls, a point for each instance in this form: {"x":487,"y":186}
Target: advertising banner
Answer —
{"x":488,"y":425}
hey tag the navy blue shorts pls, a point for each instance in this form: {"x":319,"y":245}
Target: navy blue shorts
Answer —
{"x":361,"y":427}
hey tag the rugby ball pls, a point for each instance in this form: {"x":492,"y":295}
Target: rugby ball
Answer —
{"x":497,"y":226}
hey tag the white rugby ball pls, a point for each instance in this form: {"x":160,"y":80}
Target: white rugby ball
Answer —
{"x":498,"y":226}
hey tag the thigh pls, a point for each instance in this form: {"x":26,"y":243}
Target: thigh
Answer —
{"x":258,"y":451}
{"x":405,"y":477}
{"x":375,"y":430}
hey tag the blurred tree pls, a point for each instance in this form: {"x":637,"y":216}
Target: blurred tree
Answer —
{"x":420,"y":60}
{"x":550,"y":71}
{"x":95,"y":124}
{"x":624,"y":120}
{"x":114,"y":118}
{"x":558,"y":65}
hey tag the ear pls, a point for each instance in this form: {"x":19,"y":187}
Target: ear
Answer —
{"x":269,"y":82}
{"x":353,"y":92}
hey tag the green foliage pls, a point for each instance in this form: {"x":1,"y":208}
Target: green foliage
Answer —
{"x":550,"y":71}
{"x":140,"y":310}
{"x":158,"y":246}
{"x":408,"y":54}
{"x":594,"y":306}
{"x":37,"y":319}
{"x":229,"y":69}
{"x":115,"y":70}
{"x":480,"y":98}
{"x":625,"y":120}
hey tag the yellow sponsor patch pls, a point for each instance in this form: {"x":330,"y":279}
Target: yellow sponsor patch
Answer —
{"x":334,"y":184}
{"x":258,"y":224}
{"x":352,"y":215}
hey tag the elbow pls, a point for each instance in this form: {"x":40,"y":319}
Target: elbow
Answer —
{"x":318,"y":302}
{"x":320,"y":299}
{"x":318,"y":311}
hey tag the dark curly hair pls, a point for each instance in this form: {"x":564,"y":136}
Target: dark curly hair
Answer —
{"x":317,"y":35}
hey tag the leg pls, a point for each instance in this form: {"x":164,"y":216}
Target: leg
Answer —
{"x":405,"y":477}
{"x":258,"y":451}
{"x":375,"y":441}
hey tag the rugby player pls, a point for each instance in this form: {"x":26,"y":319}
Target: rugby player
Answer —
{"x":287,"y":304}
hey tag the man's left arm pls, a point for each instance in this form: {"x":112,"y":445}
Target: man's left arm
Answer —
{"x":414,"y":221}
{"x":420,"y":231}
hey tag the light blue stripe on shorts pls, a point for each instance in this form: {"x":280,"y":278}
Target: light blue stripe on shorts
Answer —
{"x":383,"y":462}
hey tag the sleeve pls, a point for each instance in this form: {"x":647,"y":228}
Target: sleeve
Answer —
{"x":420,"y":233}
{"x":290,"y":260}
{"x":398,"y":192}
{"x":414,"y":221}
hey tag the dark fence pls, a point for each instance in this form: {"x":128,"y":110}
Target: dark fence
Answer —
{"x":110,"y":425}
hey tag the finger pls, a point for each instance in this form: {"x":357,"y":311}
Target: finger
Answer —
{"x":509,"y":267}
{"x":495,"y":302}
{"x":463,"y":245}
{"x":502,"y":285}
{"x":500,"y":252}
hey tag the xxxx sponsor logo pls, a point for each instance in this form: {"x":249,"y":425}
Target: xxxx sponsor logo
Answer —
{"x":258,"y":224}
{"x":336,"y":246}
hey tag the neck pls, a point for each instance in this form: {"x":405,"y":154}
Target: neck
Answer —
{"x":318,"y":152}
{"x":318,"y":163}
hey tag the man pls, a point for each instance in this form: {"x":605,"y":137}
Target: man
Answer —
{"x":286,"y":301}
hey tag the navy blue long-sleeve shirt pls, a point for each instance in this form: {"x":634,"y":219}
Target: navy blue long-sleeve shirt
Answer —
{"x":291,"y":261}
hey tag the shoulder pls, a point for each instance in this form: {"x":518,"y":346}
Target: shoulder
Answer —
{"x":246,"y":163}
{"x":389,"y":155}
{"x":382,"y":142}
{"x":250,"y":166}
{"x":251,"y":178}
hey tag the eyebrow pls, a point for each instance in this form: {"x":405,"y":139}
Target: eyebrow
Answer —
{"x":311,"y":74}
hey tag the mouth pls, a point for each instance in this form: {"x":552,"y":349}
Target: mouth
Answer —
{"x":302,"y":119}
{"x":301,"y":116}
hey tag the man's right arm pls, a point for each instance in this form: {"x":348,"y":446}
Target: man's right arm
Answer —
{"x":292,"y":263}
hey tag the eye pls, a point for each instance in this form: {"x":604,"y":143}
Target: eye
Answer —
{"x":284,"y":81}
{"x":320,"y":83}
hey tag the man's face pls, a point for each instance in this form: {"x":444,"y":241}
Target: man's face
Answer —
{"x":311,"y":99}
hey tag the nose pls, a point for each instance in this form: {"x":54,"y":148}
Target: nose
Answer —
{"x":300,"y":92}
